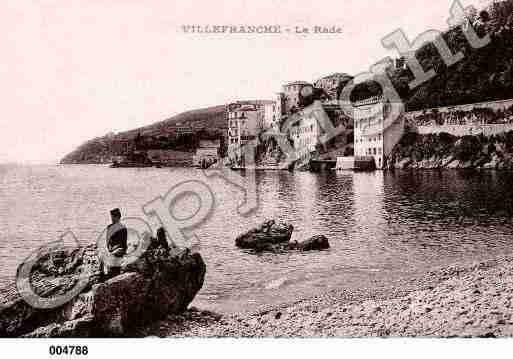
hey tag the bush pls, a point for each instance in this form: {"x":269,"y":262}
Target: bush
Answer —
{"x":408,"y":139}
{"x":508,"y":140}
{"x":468,"y":148}
{"x":446,"y":138}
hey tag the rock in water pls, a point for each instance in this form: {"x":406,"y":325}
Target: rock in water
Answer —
{"x":158,"y":283}
{"x":266,"y":237}
{"x":318,"y":242}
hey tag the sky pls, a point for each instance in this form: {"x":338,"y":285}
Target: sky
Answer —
{"x":74,"y":70}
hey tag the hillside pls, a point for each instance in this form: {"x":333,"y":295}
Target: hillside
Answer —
{"x":206,"y":122}
{"x":483,"y":74}
{"x":210,"y":117}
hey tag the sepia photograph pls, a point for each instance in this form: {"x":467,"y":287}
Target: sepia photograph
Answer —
{"x":233,"y":170}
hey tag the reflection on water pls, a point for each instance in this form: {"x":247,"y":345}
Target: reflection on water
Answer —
{"x":380,"y":225}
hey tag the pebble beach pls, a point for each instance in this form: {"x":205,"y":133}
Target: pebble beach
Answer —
{"x":474,"y":300}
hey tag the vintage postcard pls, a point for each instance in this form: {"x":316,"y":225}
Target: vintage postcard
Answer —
{"x":255,"y":169}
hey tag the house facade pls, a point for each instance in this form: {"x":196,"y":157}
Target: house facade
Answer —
{"x":375,"y":135}
{"x":305,"y":129}
{"x":207,"y":153}
{"x":291,"y":96}
{"x":368,"y":129}
{"x":243,"y":127}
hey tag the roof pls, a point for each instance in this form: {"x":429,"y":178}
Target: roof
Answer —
{"x":251,"y":102}
{"x":248,"y":105}
{"x":209,"y":143}
{"x":336,"y":74}
{"x":297,"y":83}
{"x":247,"y":108}
{"x":368,"y":101}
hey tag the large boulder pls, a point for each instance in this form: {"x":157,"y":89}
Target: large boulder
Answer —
{"x":266,"y":237}
{"x":161,"y":281}
{"x":53,"y":273}
{"x":318,"y":242}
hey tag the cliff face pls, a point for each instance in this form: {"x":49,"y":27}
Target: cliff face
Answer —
{"x":443,"y":150}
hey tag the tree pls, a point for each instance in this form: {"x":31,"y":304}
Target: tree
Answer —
{"x":484,"y":16}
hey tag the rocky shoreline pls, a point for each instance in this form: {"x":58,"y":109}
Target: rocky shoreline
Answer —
{"x":459,"y":301}
{"x":67,"y":292}
{"x":443,"y":150}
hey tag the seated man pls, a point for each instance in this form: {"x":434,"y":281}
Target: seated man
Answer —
{"x":117,"y":235}
{"x":161,"y":239}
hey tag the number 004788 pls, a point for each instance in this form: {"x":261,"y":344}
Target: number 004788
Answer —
{"x":68,"y":350}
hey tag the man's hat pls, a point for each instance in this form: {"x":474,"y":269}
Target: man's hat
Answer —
{"x":115,"y":212}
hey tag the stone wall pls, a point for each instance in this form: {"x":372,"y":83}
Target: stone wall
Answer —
{"x":494,"y":105}
{"x":463,"y":130}
{"x":392,"y":135}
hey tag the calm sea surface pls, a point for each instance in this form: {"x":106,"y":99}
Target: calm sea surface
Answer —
{"x":380,"y":225}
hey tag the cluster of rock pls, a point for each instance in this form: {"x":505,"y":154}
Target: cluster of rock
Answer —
{"x":271,"y":236}
{"x":161,"y":281}
{"x":434,"y":151}
{"x":492,"y":162}
{"x":317,"y":242}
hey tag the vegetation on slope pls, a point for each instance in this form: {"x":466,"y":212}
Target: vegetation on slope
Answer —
{"x":483,"y":74}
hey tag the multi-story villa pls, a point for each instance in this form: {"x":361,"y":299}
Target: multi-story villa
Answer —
{"x":305,"y":129}
{"x":308,"y":126}
{"x":269,"y":114}
{"x":374,"y":137}
{"x":305,"y":133}
{"x":273,"y":112}
{"x":243,"y":127}
{"x":291,"y":93}
{"x":279,"y":109}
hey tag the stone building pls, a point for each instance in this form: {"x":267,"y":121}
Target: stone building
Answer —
{"x":121,"y":147}
{"x":374,"y":135}
{"x":243,"y":127}
{"x":331,"y":83}
{"x":305,"y":129}
{"x":269,"y":115}
{"x":273,"y":112}
{"x":207,"y":153}
{"x":291,"y":96}
{"x":279,"y":109}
